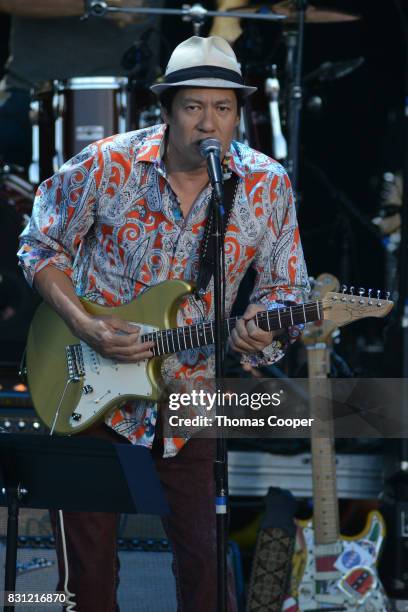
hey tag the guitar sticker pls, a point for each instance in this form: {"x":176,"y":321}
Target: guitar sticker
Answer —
{"x":358,"y":583}
{"x":353,"y":556}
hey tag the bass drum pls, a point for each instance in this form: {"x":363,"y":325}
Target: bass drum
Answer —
{"x":71,"y":114}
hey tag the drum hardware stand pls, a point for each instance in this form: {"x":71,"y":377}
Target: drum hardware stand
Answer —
{"x":195,"y":13}
{"x":197,"y":16}
{"x":279,"y":149}
{"x":34,"y":167}
{"x":294,"y":93}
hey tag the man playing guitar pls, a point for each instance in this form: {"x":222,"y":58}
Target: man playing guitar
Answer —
{"x":125,"y":214}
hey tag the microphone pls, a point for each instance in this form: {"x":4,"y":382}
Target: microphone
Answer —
{"x":210,"y":149}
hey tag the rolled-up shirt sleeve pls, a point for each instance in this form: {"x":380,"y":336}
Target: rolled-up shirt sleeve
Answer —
{"x":63,"y":213}
{"x":282,"y":277}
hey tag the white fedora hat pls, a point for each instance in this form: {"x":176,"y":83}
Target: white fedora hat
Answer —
{"x":203,"y":62}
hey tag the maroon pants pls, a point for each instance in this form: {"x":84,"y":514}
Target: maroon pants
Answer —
{"x":91,"y":537}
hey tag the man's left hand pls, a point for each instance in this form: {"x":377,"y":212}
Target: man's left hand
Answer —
{"x":247,"y":337}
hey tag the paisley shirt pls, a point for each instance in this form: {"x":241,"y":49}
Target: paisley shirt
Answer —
{"x":110,"y":221}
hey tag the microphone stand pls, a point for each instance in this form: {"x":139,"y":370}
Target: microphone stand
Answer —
{"x":221,"y":461}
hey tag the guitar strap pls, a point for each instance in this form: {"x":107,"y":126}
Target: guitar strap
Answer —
{"x":207,"y":258}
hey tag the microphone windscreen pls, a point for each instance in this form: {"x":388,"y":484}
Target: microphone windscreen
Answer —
{"x":210,"y":145}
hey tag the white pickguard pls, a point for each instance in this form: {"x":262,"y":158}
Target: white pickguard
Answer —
{"x":107,"y":379}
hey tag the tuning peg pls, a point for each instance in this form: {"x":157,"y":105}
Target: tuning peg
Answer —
{"x":387,"y":295}
{"x":343,"y":290}
{"x":378,"y":297}
{"x":369,"y":296}
{"x":361,"y":292}
{"x":352,"y":294}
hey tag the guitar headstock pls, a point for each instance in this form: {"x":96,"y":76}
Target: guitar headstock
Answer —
{"x":320,"y":331}
{"x":343,"y":308}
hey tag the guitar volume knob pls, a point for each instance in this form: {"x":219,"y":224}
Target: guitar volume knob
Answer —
{"x":87,"y":389}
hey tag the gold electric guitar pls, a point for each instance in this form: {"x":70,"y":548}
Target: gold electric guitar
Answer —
{"x":330,"y":571}
{"x":72,"y":387}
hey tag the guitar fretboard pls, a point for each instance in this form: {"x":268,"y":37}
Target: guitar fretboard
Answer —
{"x":325,"y":512}
{"x":168,"y":341}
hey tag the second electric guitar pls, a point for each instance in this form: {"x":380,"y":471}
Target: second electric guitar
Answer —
{"x":331,"y":571}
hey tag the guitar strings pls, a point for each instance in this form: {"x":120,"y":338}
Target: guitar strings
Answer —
{"x":206,"y":327}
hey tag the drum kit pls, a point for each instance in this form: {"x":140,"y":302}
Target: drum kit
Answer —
{"x":68,"y":115}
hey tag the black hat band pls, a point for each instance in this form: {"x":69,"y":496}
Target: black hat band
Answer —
{"x":199,"y":72}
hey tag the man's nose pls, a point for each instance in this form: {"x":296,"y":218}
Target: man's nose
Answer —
{"x":207,"y":121}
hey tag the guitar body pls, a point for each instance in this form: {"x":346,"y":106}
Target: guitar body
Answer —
{"x":48,"y":368}
{"x":346,"y":577}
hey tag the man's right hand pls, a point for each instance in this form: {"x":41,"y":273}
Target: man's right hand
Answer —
{"x":107,"y":335}
{"x":114,"y":339}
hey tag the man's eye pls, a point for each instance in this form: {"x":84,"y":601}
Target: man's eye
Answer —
{"x":192,"y":107}
{"x":223,"y":109}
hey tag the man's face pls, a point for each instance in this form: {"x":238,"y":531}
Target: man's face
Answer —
{"x":199,"y":113}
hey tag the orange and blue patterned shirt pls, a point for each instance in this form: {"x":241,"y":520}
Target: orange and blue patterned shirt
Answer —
{"x":110,"y":221}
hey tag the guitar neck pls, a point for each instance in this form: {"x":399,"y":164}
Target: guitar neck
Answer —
{"x":325,"y":512}
{"x":168,"y":341}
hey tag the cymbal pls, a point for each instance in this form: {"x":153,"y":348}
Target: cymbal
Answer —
{"x":313,"y":14}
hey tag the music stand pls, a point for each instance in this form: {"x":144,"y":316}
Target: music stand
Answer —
{"x":80,"y":474}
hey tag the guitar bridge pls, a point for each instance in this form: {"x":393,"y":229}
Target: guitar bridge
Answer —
{"x":75,"y":361}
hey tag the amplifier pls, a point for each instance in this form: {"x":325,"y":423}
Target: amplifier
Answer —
{"x":139,"y":570}
{"x":146,"y":578}
{"x":17,"y":414}
{"x":394,"y":561}
{"x":20,"y":420}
